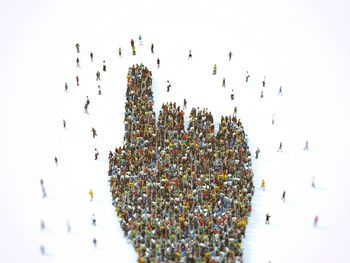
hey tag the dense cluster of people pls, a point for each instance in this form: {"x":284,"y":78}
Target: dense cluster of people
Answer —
{"x":181,"y":195}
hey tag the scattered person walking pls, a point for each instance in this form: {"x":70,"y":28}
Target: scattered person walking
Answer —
{"x":214,"y":69}
{"x":98,"y":75}
{"x":104,"y":66}
{"x":78,"y":47}
{"x":77,"y":78}
{"x":306,"y":148}
{"x":224,"y":82}
{"x":263,"y":82}
{"x":66,"y":86}
{"x":43,"y":191}
{"x":64,"y":124}
{"x":263,"y":184}
{"x":185,"y":104}
{"x":99,"y":90}
{"x":68,"y":227}
{"x":235,"y":111}
{"x":158,"y":62}
{"x":247,"y":77}
{"x":229,"y":56}
{"x":77,"y":61}
{"x":267,"y":221}
{"x":190,"y":54}
{"x":94,"y":241}
{"x":56,"y":161}
{"x":284,"y":196}
{"x":87,"y":100}
{"x":42,"y":250}
{"x":168,"y":86}
{"x":86,"y":108}
{"x":93,"y":220}
{"x":261,"y":95}
{"x":96,"y":154}
{"x":120,"y":52}
{"x":280,"y":91}
{"x":92,"y":57}
{"x":280,"y":147}
{"x":313,"y":182}
{"x":257,"y":153}
{"x":152,"y":48}
{"x":132,"y":43}
{"x":133,"y":51}
{"x":94,"y":134}
{"x":273,"y":119}
{"x":140,"y":41}
{"x":315,"y":220}
{"x":42,"y":225}
{"x":91,"y":193}
{"x":232,"y":95}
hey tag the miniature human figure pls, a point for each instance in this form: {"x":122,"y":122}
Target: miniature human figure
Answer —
{"x":42,"y":225}
{"x":152,"y":48}
{"x":267,"y":221}
{"x":64,"y":123}
{"x":235,"y":112}
{"x":96,"y":154}
{"x":42,"y":250}
{"x":306,"y":148}
{"x":92,"y":57}
{"x":185,"y":103}
{"x":263,"y":82}
{"x":43,"y":191}
{"x":247,"y":77}
{"x":98,"y":76}
{"x":263,"y":184}
{"x":140,"y":40}
{"x":77,"y":78}
{"x":214,"y":69}
{"x":66,"y":87}
{"x":313,"y":182}
{"x":284,"y":196}
{"x":78,"y":47}
{"x":120,"y":51}
{"x":99,"y":90}
{"x":229,"y":56}
{"x":158,"y":62}
{"x":133,"y":51}
{"x":232,"y":95}
{"x":315,"y":220}
{"x":257,"y":153}
{"x":94,"y":241}
{"x":280,"y":91}
{"x":91,"y":194}
{"x":94,"y":134}
{"x":261,"y":95}
{"x":93,"y":220}
{"x":168,"y":86}
{"x":56,"y":161}
{"x":224,"y":82}
{"x":68,"y":227}
{"x":77,"y":61}
{"x":273,"y":119}
{"x":104,"y":68}
{"x":280,"y":147}
{"x":190,"y":54}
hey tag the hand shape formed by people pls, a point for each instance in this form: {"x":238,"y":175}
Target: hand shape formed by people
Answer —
{"x":181,"y":194}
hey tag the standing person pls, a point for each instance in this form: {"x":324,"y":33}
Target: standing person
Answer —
{"x":64,"y":123}
{"x":158,"y":62}
{"x":235,"y":112}
{"x":284,"y":196}
{"x":56,"y":161}
{"x":224,"y":82}
{"x":68,"y":227}
{"x":257,"y":153}
{"x":306,"y":148}
{"x":229,"y":56}
{"x":93,"y":220}
{"x":87,"y":100}
{"x":104,"y":66}
{"x":94,"y":134}
{"x":78,"y":47}
{"x":214,"y":69}
{"x":42,"y":225}
{"x":77,"y":60}
{"x":185,"y":103}
{"x":98,"y":75}
{"x":263,"y":82}
{"x":232,"y":95}
{"x":91,"y":195}
{"x":120,"y":51}
{"x":140,"y":40}
{"x":315,"y":220}
{"x":190,"y":54}
{"x":133,"y":51}
{"x":261,"y":95}
{"x":92,"y":57}
{"x":42,"y":250}
{"x":132,"y":43}
{"x":94,"y":241}
{"x":280,"y":91}
{"x":263,"y":184}
{"x":168,"y":86}
{"x":86,"y":108}
{"x":66,"y":86}
{"x":267,"y":221}
{"x":77,"y":78}
{"x":43,"y":191}
{"x":273,"y":119}
{"x":280,"y":147}
{"x":152,"y":48}
{"x":247,"y":77}
{"x":313,"y":182}
{"x":99,"y":90}
{"x":41,"y":182}
{"x":96,"y":154}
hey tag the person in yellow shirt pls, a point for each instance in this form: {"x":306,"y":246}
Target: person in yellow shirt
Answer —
{"x":263,"y":184}
{"x":91,"y":194}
